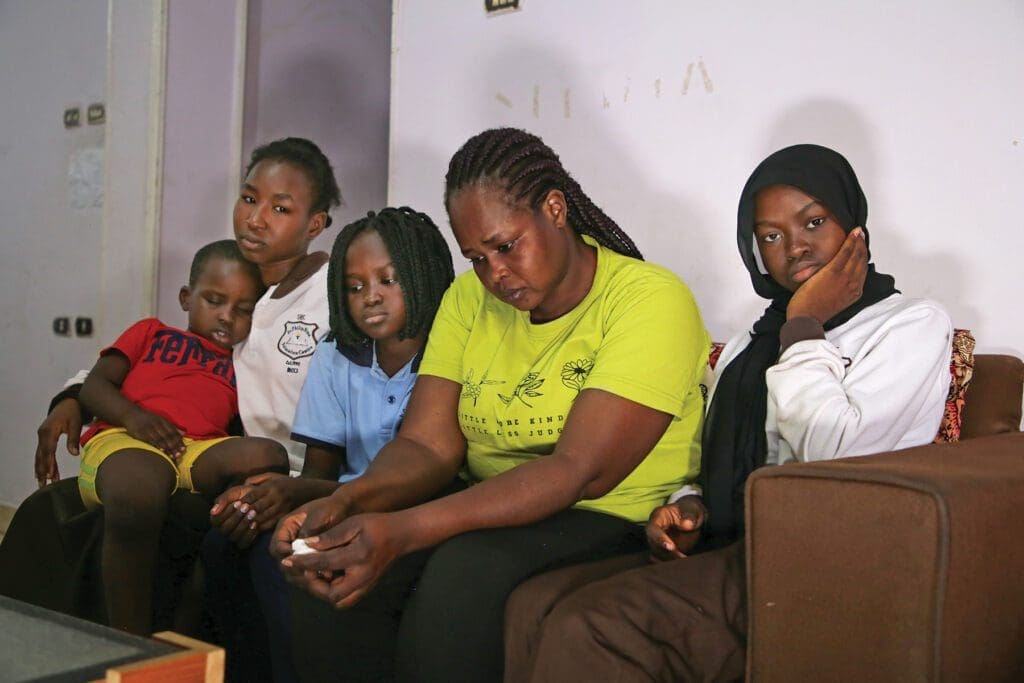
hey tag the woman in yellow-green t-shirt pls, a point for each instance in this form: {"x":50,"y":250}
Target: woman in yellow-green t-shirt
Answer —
{"x":561,"y":377}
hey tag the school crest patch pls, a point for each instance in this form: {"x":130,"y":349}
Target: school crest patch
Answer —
{"x":298,"y":340}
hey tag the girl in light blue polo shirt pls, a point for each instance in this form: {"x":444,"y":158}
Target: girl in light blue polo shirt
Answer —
{"x":385,"y":280}
{"x":360,"y":379}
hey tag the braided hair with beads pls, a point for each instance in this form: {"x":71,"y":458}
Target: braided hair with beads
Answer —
{"x":422,"y":261}
{"x":526,"y":169}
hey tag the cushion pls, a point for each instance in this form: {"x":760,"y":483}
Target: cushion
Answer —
{"x":994,"y":398}
{"x":961,"y":370}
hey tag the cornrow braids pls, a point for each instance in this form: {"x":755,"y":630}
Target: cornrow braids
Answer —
{"x":226,"y":250}
{"x":526,"y":170}
{"x":422,"y":261}
{"x":307,"y":157}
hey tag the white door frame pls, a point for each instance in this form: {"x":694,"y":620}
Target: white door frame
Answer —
{"x":136,"y":46}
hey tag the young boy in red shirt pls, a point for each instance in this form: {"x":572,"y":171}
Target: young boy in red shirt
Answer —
{"x":164,"y":399}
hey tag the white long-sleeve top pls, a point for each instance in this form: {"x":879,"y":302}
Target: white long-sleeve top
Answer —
{"x":876,"y":383}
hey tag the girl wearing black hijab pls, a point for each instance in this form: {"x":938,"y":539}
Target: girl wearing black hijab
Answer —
{"x":839,"y":364}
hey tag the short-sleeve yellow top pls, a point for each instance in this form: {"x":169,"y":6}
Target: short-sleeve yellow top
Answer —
{"x":637,"y":334}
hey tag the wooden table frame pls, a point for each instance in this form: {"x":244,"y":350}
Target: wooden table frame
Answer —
{"x":198,"y":662}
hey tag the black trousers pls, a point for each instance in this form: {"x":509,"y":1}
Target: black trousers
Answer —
{"x":438,"y":615}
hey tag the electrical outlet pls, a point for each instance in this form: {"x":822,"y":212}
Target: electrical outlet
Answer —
{"x":83,"y":327}
{"x":96,"y":114}
{"x":72,"y":117}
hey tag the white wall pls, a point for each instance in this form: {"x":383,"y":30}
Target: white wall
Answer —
{"x":662,"y":108}
{"x":43,"y":236}
{"x":64,"y":255}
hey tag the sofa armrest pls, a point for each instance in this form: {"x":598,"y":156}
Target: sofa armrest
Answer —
{"x":899,"y":566}
{"x":992,"y":404}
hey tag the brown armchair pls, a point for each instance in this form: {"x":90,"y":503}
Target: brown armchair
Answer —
{"x":901,"y":566}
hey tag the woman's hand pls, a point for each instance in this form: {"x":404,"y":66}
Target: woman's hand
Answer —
{"x":309,"y":520}
{"x":64,"y":420}
{"x":156,"y":431}
{"x":271,"y":495}
{"x":351,"y":557}
{"x":674,"y":529}
{"x":231,"y":519}
{"x":838,"y":284}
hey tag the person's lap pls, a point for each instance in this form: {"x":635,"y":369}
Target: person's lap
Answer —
{"x":531,"y":602}
{"x":444,"y":608}
{"x":678,"y":620}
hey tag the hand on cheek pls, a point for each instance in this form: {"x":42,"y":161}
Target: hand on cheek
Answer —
{"x":836,"y":286}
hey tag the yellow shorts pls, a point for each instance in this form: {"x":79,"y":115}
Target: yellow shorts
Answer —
{"x":109,"y":441}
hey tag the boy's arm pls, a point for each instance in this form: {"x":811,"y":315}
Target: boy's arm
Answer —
{"x":323,"y":461}
{"x":101,"y":394}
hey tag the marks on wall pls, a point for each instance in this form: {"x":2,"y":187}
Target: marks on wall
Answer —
{"x":695,"y":77}
{"x":709,"y":86}
{"x":687,"y":77}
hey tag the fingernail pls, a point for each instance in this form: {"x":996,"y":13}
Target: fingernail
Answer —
{"x":236,"y":505}
{"x":251,"y":514}
{"x":287,"y":562}
{"x":244,"y":508}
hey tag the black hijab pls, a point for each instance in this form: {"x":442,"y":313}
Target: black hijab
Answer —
{"x":734,"y":442}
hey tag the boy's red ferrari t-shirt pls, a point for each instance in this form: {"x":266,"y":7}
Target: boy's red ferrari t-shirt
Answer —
{"x":178,"y":375}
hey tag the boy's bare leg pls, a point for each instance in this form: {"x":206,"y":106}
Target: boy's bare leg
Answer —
{"x":230,"y":461}
{"x":134,"y":486}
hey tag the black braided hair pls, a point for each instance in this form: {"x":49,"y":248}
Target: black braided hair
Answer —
{"x":422,"y":260}
{"x":226,"y":250}
{"x":526,"y":170}
{"x":304,"y":155}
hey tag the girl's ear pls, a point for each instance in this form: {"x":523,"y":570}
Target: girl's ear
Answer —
{"x":317,"y":223}
{"x":184,"y":297}
{"x":555,"y":208}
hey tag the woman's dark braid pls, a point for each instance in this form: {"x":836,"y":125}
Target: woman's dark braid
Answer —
{"x":422,"y":261}
{"x":527,"y":170}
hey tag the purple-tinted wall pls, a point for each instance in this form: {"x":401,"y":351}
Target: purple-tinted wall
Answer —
{"x":198,"y":142}
{"x":320,"y":70}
